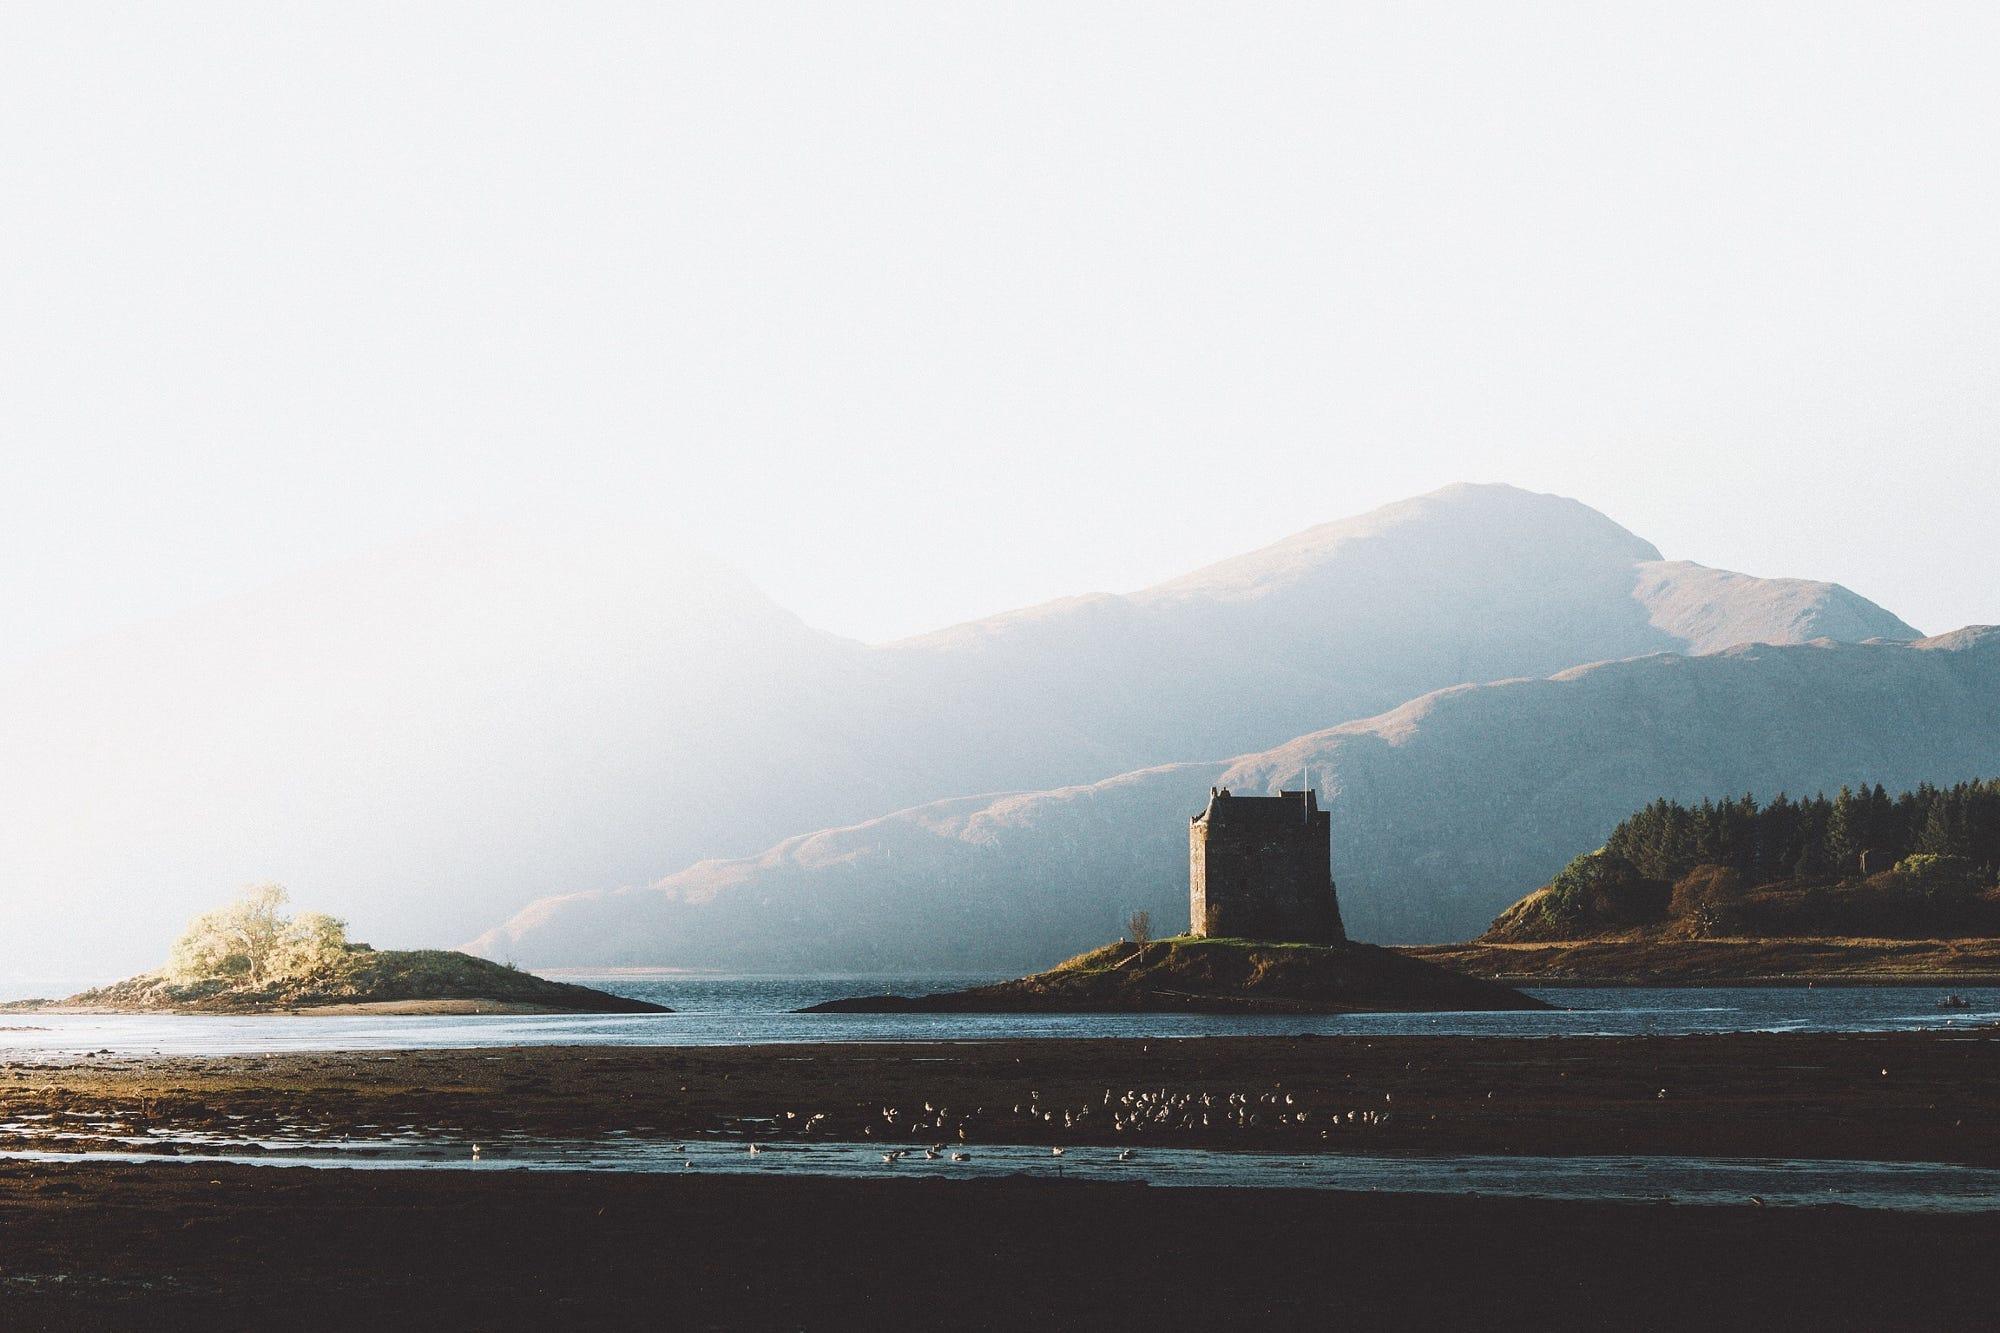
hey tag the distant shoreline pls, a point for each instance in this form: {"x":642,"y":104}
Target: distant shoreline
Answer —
{"x":1770,"y":962}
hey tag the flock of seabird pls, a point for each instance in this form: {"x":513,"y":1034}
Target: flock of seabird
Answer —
{"x":1133,"y":1111}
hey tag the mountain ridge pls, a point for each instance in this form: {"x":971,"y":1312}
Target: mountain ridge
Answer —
{"x":432,"y":737}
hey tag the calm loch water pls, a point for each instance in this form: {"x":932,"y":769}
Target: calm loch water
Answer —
{"x":719,"y":1011}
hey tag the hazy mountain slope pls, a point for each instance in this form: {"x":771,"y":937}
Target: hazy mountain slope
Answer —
{"x":418,"y":739}
{"x":1470,"y":583}
{"x":430,"y":738}
{"x":1445,"y":810}
{"x":1711,"y":609}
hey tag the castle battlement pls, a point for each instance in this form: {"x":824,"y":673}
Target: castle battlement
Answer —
{"x":1261,"y":868}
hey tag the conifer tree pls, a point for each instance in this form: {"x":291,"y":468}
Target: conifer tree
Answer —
{"x":1941,"y":832}
{"x":1842,"y":845}
{"x":1813,"y":838}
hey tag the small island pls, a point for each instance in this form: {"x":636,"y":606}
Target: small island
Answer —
{"x":1265,"y":936}
{"x":1195,"y":974}
{"x":1861,"y":888}
{"x":250,"y":957}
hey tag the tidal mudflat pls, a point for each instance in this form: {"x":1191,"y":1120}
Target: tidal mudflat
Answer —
{"x":1401,"y":1160}
{"x":1909,"y":1096}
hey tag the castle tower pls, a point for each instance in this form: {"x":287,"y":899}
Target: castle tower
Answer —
{"x":1261,"y":868}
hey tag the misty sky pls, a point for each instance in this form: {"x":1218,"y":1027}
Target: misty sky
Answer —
{"x":916,"y":312}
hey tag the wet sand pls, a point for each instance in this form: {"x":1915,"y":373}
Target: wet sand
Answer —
{"x":1895,"y":1097}
{"x":109,"y":1246}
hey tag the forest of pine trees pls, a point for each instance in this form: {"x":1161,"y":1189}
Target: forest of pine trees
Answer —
{"x":1818,"y":838}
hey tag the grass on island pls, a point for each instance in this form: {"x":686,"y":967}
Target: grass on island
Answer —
{"x":1106,"y":957}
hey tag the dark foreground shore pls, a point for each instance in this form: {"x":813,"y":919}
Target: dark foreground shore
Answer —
{"x":186,"y":1246}
{"x":1920,"y":1096}
{"x":199,"y":1244}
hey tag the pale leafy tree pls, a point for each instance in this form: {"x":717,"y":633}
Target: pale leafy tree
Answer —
{"x":311,"y":941}
{"x":253,"y":940}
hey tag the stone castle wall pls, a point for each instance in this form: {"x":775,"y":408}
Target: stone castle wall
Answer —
{"x":1261,"y":867}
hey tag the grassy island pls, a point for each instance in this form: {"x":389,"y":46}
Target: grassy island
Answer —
{"x":1208,"y":975}
{"x":250,"y":957}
